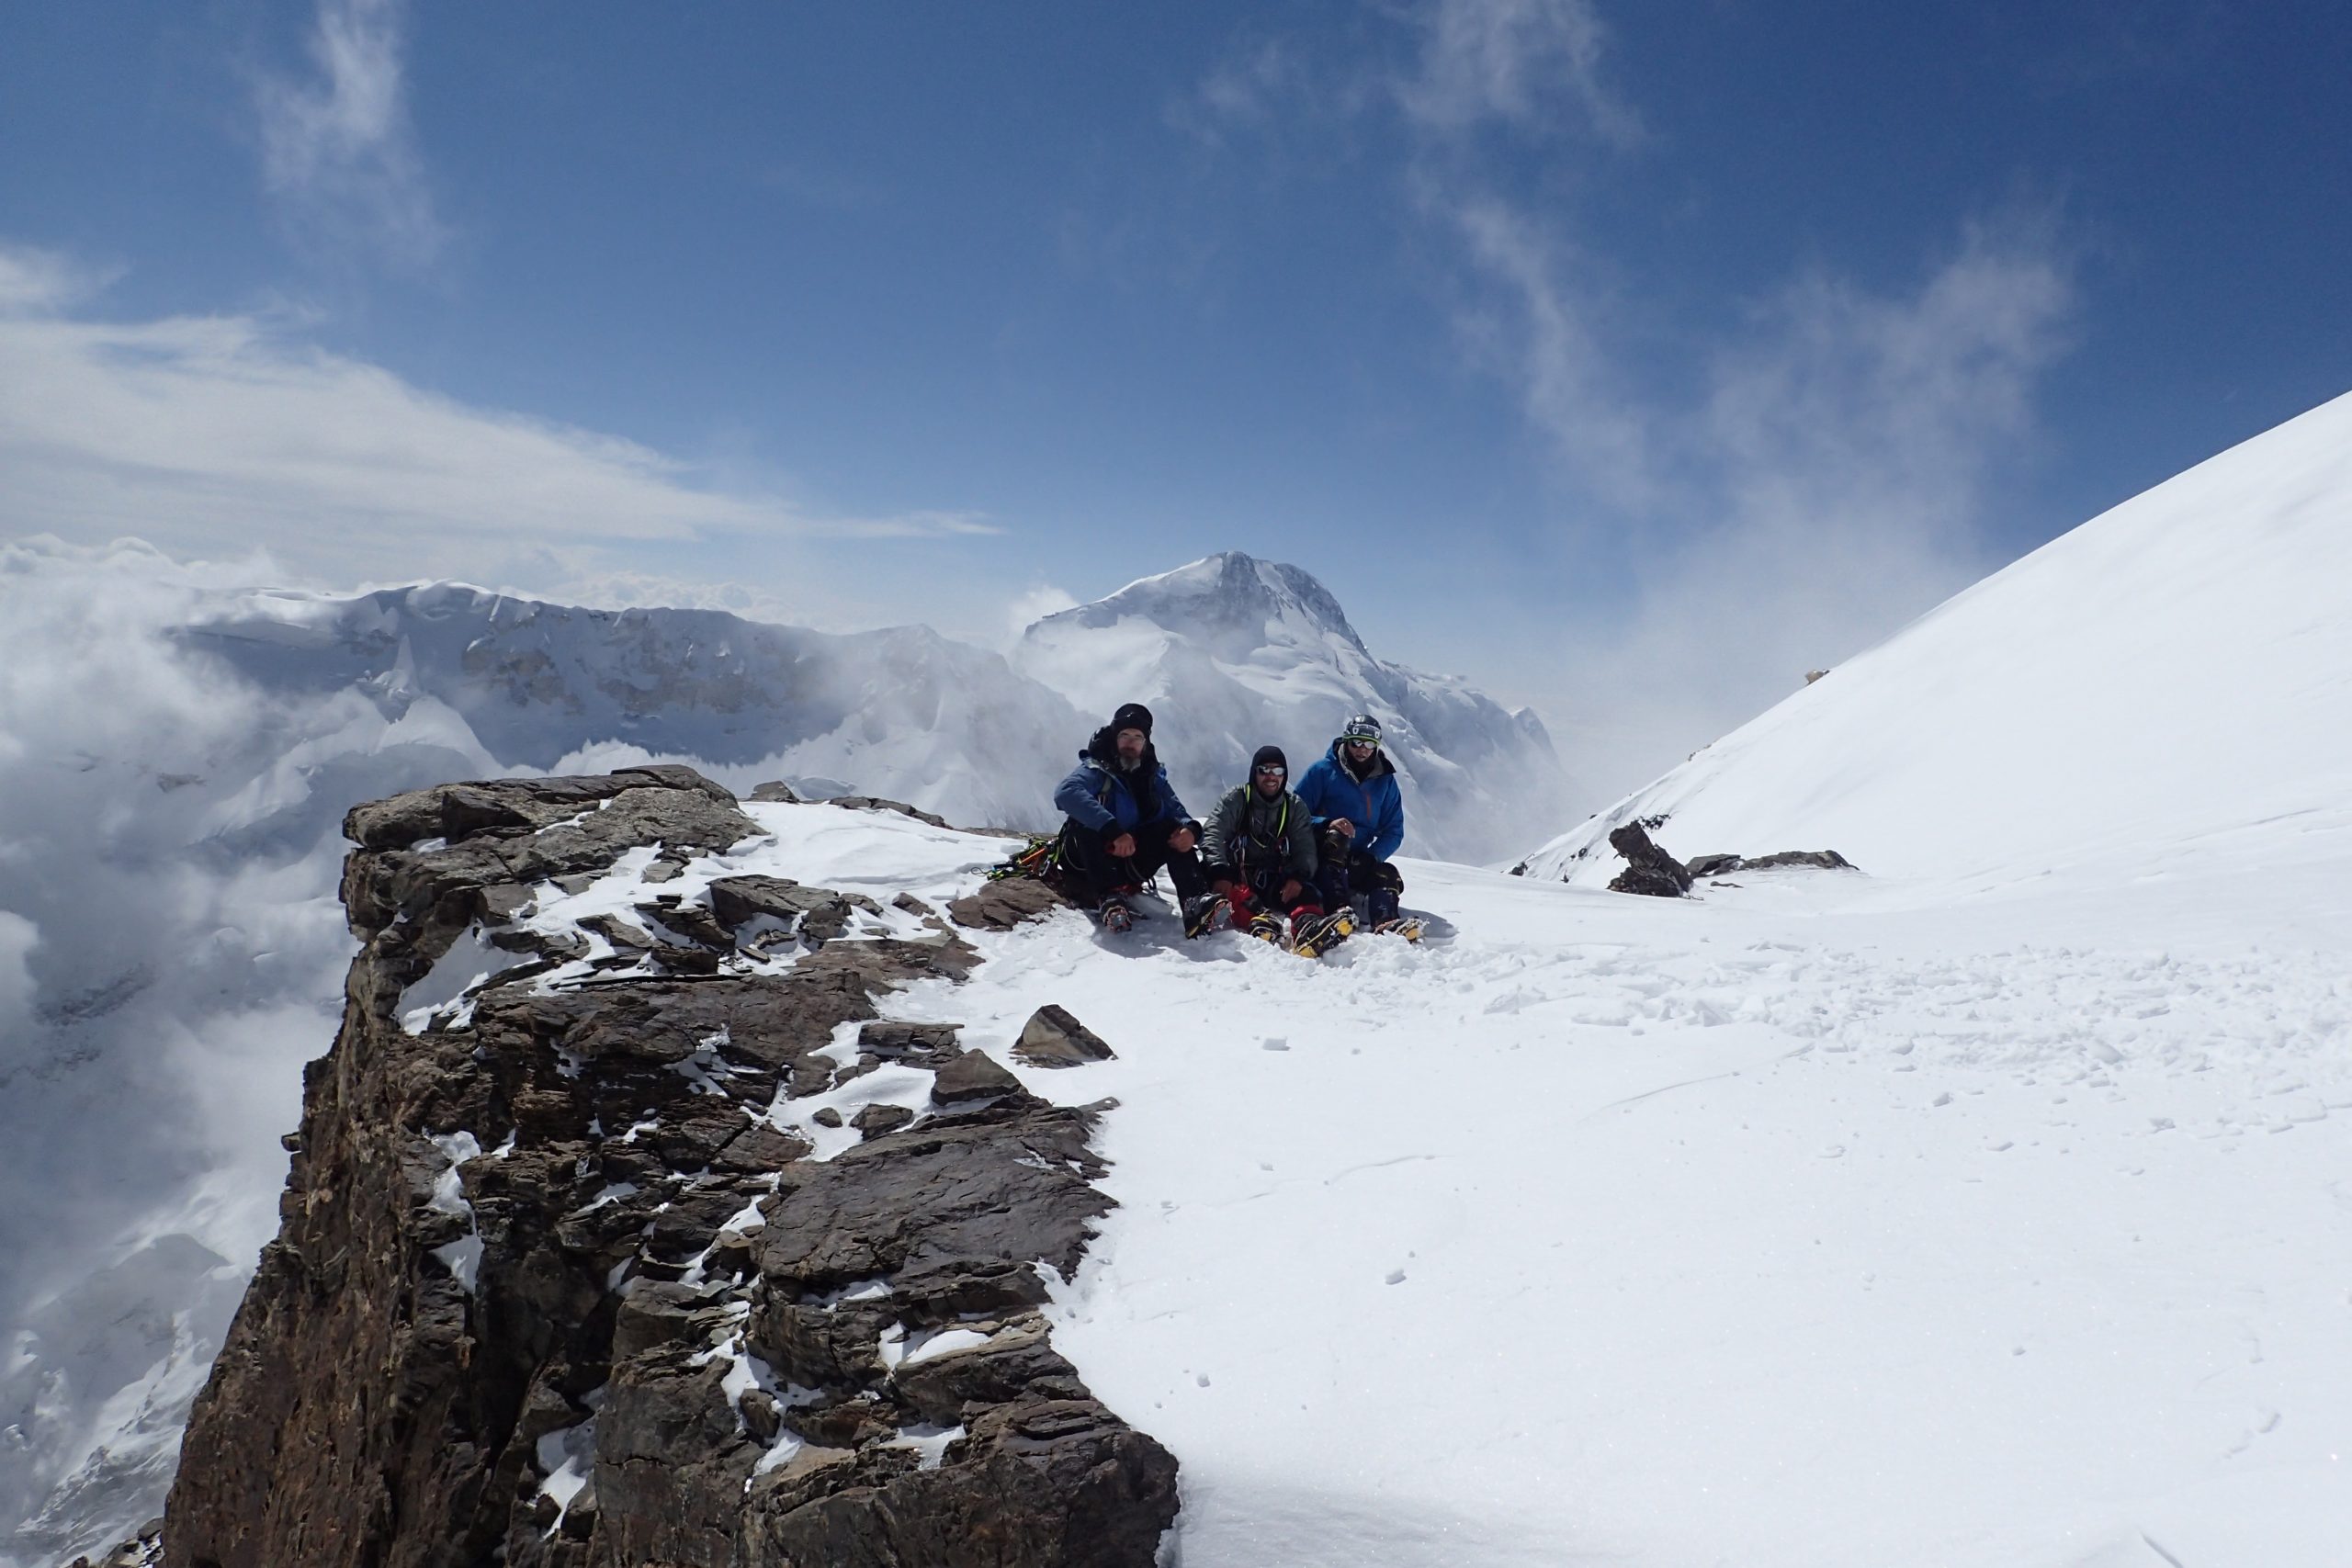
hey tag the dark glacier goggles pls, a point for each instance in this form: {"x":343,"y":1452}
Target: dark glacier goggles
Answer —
{"x":1370,"y":741}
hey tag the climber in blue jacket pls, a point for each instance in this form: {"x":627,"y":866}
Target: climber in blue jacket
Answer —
{"x":1359,"y":820}
{"x":1123,"y":821}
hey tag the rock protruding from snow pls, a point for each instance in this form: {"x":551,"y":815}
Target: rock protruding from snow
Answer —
{"x":1004,"y":904}
{"x":1711,"y":865}
{"x":1232,"y":653}
{"x":586,"y":1261}
{"x":1053,"y":1038}
{"x":1649,"y":869}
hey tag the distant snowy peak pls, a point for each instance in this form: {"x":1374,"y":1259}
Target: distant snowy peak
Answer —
{"x":1232,"y":653}
{"x":1230,"y":601}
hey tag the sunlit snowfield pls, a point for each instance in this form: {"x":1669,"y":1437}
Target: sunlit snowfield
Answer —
{"x":1820,"y":1220}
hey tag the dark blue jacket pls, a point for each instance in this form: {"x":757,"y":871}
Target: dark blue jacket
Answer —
{"x":1374,"y":805}
{"x":1096,"y":794}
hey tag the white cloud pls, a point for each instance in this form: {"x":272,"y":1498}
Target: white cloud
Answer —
{"x":1531,"y":324}
{"x":1516,"y":63}
{"x":225,"y":433}
{"x":169,"y":843}
{"x":1251,"y":86}
{"x":1843,"y":459}
{"x":32,"y":280}
{"x":1825,"y":476}
{"x":339,"y":146}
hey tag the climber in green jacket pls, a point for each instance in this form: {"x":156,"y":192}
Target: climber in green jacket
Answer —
{"x":1259,"y":851}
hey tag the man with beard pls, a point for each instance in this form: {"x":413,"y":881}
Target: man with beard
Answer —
{"x":1124,"y":822}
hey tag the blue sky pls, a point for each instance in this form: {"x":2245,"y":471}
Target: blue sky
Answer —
{"x":1628,"y":359}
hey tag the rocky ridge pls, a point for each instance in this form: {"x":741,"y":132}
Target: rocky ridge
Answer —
{"x":622,"y":1228}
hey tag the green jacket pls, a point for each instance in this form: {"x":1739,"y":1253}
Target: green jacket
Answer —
{"x":1248,"y":830}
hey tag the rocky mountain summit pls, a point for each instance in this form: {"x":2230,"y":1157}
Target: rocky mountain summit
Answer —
{"x":624,"y":1227}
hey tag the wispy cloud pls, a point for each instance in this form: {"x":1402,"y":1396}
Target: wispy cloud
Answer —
{"x":1258,"y":82}
{"x":1823,"y":474}
{"x":337,"y":142}
{"x":1841,"y":468}
{"x":1035,"y":604}
{"x":1528,"y":318}
{"x":1518,"y":63}
{"x":220,"y":433}
{"x":34,"y":280}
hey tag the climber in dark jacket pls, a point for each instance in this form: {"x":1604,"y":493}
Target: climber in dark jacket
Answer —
{"x":1123,"y":821}
{"x":1260,"y":851}
{"x":1360,"y":817}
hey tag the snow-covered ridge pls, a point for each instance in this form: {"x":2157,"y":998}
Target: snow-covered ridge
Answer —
{"x":176,"y":754}
{"x":1232,"y":653}
{"x":901,"y":712}
{"x":2175,"y":670}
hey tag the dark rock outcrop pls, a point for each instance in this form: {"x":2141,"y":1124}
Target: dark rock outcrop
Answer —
{"x":1052,"y":1038}
{"x":1649,"y":869}
{"x":1000,"y":906}
{"x":1724,"y":865}
{"x":560,"y":1282}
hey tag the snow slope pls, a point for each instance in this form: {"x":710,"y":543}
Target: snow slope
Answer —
{"x":2175,"y":669}
{"x":1986,"y":1210}
{"x":1231,"y":652}
{"x":1827,"y":1221}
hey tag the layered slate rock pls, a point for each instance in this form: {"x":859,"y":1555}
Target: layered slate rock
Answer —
{"x":562,"y":1279}
{"x":1001,"y":905}
{"x":1714,"y":865}
{"x":1054,"y":1038}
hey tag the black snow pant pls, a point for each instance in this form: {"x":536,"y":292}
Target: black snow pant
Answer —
{"x":1089,"y":872}
{"x":1347,"y":871}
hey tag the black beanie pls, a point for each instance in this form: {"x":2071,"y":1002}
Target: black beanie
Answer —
{"x":1132,"y":716}
{"x":1269,"y":754}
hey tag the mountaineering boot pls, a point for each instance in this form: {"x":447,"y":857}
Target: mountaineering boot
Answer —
{"x":1115,"y":913}
{"x":1207,"y":913}
{"x":1266,"y":928}
{"x":1314,"y":935}
{"x":1403,"y":925}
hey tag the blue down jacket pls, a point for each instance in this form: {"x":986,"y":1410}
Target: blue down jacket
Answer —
{"x":1375,"y":804}
{"x":1096,"y":794}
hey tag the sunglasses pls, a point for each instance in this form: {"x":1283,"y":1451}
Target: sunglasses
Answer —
{"x":1272,"y":772}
